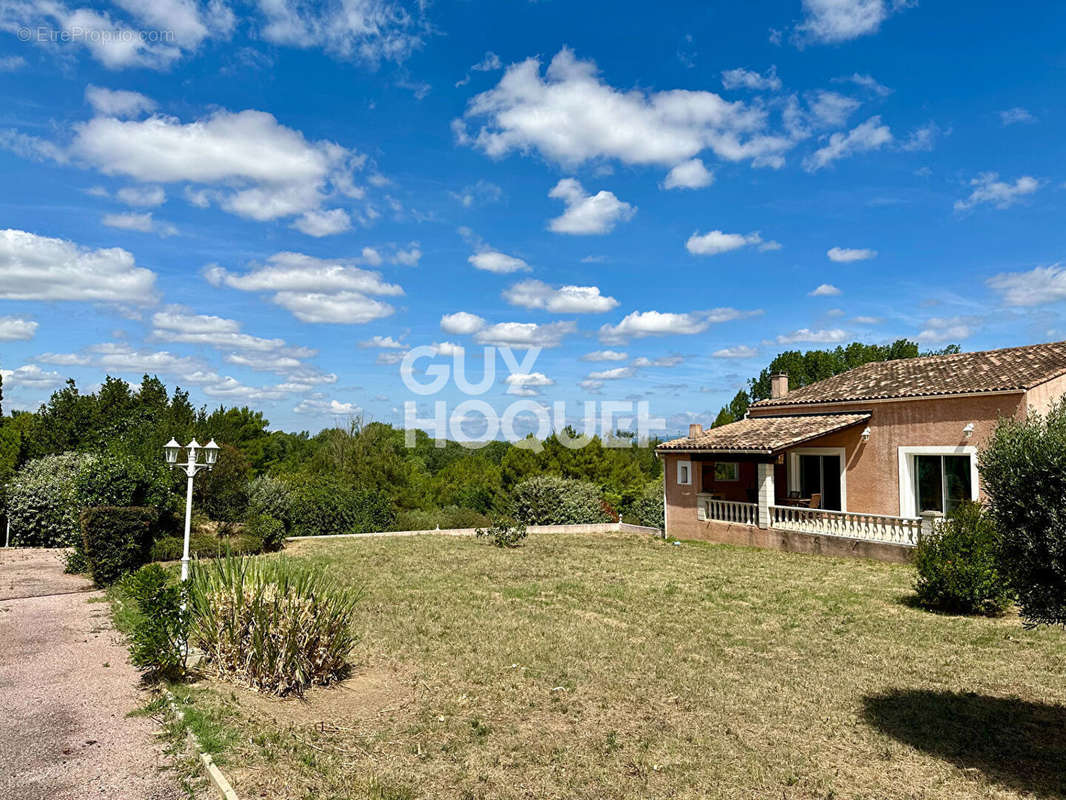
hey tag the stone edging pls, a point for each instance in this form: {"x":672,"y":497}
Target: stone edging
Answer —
{"x":225,"y":790}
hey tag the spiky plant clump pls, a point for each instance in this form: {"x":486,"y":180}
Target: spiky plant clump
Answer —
{"x":275,"y":625}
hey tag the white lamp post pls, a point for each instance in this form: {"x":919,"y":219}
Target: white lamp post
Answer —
{"x":191,"y":467}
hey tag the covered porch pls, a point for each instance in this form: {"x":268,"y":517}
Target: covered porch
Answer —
{"x":784,"y":473}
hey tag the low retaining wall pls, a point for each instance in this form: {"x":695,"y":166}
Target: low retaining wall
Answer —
{"x":598,"y":527}
{"x":793,"y":542}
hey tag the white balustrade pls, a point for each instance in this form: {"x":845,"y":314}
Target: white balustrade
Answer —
{"x":871,"y":527}
{"x":709,"y":508}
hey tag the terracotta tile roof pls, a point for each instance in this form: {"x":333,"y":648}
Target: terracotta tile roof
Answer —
{"x":1013,"y":368}
{"x":765,"y":434}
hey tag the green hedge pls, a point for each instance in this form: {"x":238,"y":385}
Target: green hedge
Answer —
{"x":323,"y":505}
{"x":447,"y":517}
{"x":551,"y":500}
{"x":116,"y":540}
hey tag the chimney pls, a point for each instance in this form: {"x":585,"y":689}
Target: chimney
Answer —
{"x":778,"y":385}
{"x":694,"y":430}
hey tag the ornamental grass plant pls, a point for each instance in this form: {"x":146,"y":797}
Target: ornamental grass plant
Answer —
{"x":276,"y":625}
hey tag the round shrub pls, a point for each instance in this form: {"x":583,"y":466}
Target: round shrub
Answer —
{"x":43,"y":501}
{"x":270,"y":496}
{"x":958,"y":565}
{"x":268,"y":530}
{"x":551,"y":500}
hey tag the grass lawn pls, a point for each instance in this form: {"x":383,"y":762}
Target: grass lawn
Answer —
{"x":618,"y":666}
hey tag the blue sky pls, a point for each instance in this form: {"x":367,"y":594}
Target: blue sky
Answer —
{"x":270,"y":203}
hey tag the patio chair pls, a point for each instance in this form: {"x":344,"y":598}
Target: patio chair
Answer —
{"x":816,"y":501}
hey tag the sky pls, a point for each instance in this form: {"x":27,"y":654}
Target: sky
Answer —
{"x":272,"y":203}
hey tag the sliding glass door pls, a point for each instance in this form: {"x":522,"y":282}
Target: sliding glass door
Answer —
{"x":941,"y":482}
{"x":820,"y":475}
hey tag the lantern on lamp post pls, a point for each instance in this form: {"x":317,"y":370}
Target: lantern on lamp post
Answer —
{"x":192,"y":465}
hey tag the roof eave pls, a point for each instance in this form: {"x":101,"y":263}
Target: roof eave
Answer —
{"x":785,"y":403}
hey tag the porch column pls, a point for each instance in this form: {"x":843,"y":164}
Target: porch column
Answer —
{"x":765,"y":480}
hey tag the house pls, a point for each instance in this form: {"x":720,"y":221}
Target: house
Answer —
{"x":855,"y":464}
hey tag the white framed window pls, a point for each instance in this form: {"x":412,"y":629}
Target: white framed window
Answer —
{"x":726,"y":471}
{"x":936,"y":478}
{"x":684,"y":473}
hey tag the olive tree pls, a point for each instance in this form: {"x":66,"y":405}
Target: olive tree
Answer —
{"x":1023,"y":467}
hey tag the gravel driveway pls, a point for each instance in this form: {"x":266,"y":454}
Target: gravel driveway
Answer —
{"x":65,"y":691}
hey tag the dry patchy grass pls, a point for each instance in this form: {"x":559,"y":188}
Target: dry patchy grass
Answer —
{"x":623,"y":667}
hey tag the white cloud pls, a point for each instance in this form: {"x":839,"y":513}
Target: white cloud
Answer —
{"x":253,"y":166}
{"x":524,"y":335}
{"x":461,"y":323}
{"x":716,"y":243}
{"x":923,"y":138}
{"x":942,"y":329}
{"x":1016,"y":115}
{"x":318,"y":405}
{"x":12,"y":63}
{"x":585,"y":213}
{"x":825,"y":290}
{"x":143,"y":196}
{"x":383,"y":342}
{"x":1032,"y":288}
{"x":17,"y":329}
{"x":563,"y":300}
{"x":527,"y":384}
{"x":866,"y":82}
{"x":117,"y":42}
{"x":988,"y":188}
{"x":490,"y":63}
{"x":831,"y":21}
{"x":118,"y":102}
{"x":741,"y":78}
{"x":369,"y":30}
{"x":847,"y":254}
{"x":830,"y":109}
{"x":591,"y":386}
{"x":121,"y":358}
{"x":870,"y":135}
{"x":807,"y":335}
{"x":319,"y":223}
{"x":180,"y":324}
{"x":41,"y":268}
{"x":500,"y":263}
{"x":144,"y":222}
{"x":662,"y":361}
{"x":657,"y":323}
{"x":571,"y":116}
{"x":512,"y":334}
{"x":738,"y":351}
{"x":605,"y":355}
{"x":691,"y":174}
{"x":480,"y":193}
{"x":314,"y":289}
{"x":616,"y":374}
{"x":30,"y":376}
{"x":867,"y":320}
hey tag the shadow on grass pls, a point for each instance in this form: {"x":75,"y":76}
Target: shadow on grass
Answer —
{"x":1016,"y":743}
